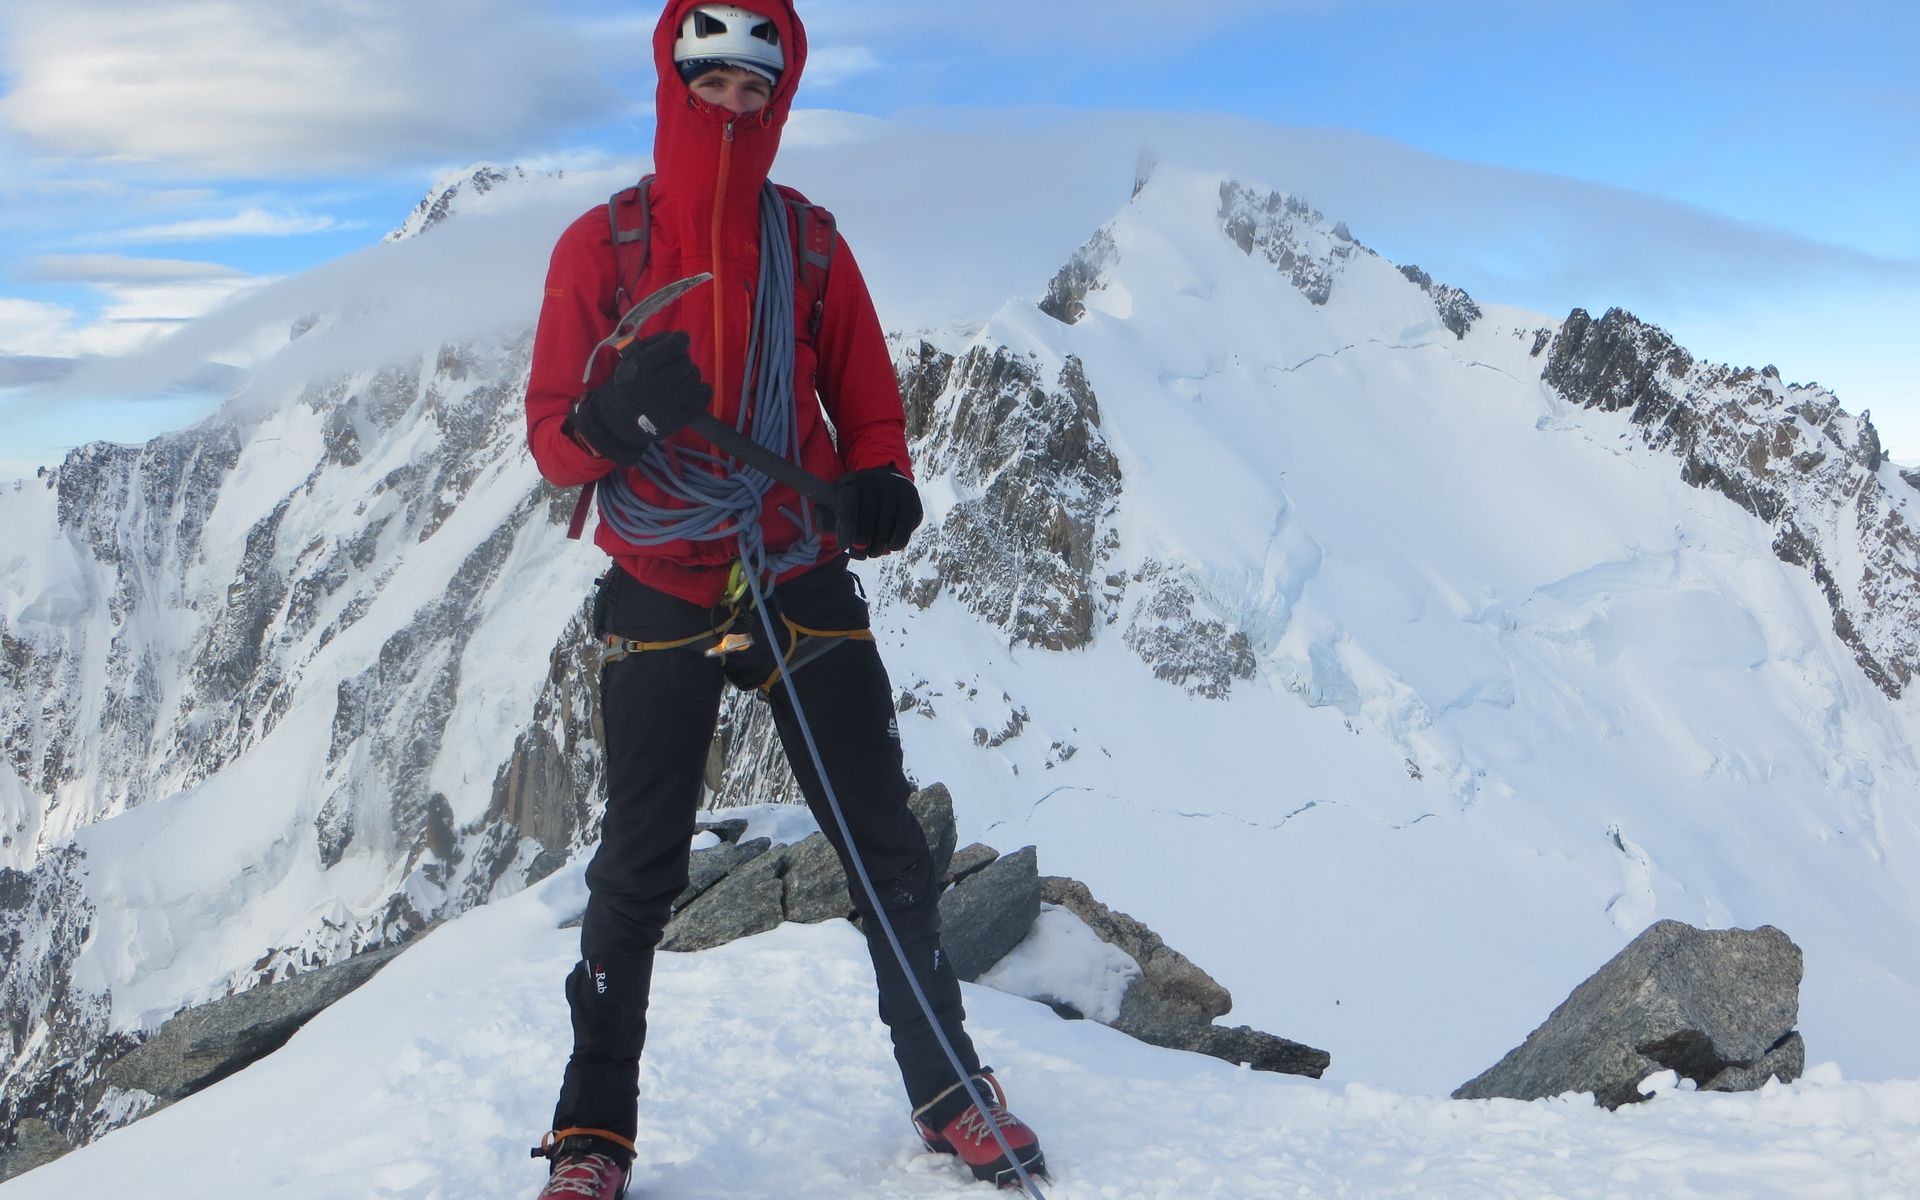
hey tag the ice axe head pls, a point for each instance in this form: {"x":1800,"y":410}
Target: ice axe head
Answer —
{"x":629,"y":327}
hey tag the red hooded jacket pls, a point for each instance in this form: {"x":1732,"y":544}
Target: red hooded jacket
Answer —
{"x":709,"y":168}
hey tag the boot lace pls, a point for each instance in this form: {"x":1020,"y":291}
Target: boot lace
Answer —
{"x":584,"y":1176}
{"x":974,"y":1125}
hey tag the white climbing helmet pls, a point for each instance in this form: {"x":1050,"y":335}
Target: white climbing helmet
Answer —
{"x":726,"y":34}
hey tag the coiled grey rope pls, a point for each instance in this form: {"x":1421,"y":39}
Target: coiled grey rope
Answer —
{"x":727,"y":505}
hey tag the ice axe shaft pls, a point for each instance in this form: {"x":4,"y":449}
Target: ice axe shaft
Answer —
{"x":761,"y":459}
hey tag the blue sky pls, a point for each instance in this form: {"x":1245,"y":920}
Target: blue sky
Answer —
{"x":158,"y":157}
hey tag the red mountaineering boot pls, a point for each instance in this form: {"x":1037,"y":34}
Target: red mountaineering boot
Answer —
{"x":586,"y":1165}
{"x":951,"y":1123}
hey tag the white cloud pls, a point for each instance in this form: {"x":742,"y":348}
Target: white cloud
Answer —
{"x":35,"y":328}
{"x":835,"y":65}
{"x":132,"y":315}
{"x":297,"y":88}
{"x":249,"y":222}
{"x":1065,"y":29}
{"x":120,"y":269}
{"x":955,"y":215}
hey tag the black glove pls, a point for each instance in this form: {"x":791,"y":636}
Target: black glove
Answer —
{"x":875,"y":511}
{"x":654,"y":390}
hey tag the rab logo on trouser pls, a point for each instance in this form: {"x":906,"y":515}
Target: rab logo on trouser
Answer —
{"x":599,"y":980}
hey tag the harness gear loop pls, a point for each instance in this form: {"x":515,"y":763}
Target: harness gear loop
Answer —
{"x":731,"y":643}
{"x":613,"y":647}
{"x":736,"y":592}
{"x":806,"y":644}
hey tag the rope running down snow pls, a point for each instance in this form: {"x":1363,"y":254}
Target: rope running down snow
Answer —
{"x":873,"y":897}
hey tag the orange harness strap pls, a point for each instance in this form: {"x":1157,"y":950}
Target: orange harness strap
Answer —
{"x":822,"y":640}
{"x":614,"y":647}
{"x":551,"y":1140}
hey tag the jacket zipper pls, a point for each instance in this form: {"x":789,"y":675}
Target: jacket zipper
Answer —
{"x":719,"y":280}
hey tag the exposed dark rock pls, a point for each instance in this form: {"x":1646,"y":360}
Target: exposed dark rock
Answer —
{"x":746,"y":763}
{"x":1716,"y":1006}
{"x":815,"y":888}
{"x":549,"y":785}
{"x":1200,"y":655}
{"x":1785,"y":1061}
{"x":731,"y":830}
{"x":1457,"y":310}
{"x":968,"y":860}
{"x":1291,"y":235}
{"x":1171,"y":990}
{"x":1616,"y":363}
{"x":194,"y":1050}
{"x":34,"y":1144}
{"x":57,"y":1034}
{"x":443,"y":200}
{"x":1085,"y":272}
{"x":708,"y":867}
{"x":1790,"y":455}
{"x":990,"y":912}
{"x":1025,"y":547}
{"x":1173,"y":1003}
{"x":746,"y":902}
{"x":204,"y":1045}
{"x":544,"y":864}
{"x":1245,"y":1045}
{"x":932,"y":806}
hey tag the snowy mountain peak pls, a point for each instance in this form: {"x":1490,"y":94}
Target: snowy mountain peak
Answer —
{"x":1281,"y":230}
{"x":455,"y":192}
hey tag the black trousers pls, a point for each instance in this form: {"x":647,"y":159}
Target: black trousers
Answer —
{"x":659,"y":709}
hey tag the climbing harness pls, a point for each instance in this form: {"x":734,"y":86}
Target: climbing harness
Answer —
{"x":804,"y":643}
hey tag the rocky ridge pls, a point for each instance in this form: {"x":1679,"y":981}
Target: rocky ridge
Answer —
{"x":989,"y":908}
{"x":1787,"y":453}
{"x":447,"y":197}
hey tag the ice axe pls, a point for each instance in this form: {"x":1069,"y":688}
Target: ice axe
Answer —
{"x":708,"y":426}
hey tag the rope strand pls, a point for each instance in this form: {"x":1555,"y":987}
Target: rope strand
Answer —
{"x":705,"y":505}
{"x":880,"y":913}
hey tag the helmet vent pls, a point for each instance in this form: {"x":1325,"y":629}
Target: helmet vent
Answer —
{"x":729,"y":35}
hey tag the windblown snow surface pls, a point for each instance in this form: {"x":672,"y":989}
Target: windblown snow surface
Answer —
{"x":1517,"y":692}
{"x":768,"y":1076}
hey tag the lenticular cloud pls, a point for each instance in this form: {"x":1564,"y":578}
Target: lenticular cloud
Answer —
{"x":233,"y":88}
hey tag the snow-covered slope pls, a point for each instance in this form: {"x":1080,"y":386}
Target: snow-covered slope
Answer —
{"x":1499,"y":686}
{"x":767,"y":1077}
{"x":1282,"y":596}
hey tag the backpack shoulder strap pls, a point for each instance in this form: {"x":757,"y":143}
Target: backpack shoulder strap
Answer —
{"x":630,"y":224}
{"x":816,"y":239}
